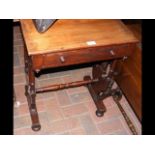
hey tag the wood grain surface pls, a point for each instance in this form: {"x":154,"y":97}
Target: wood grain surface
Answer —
{"x":68,"y":34}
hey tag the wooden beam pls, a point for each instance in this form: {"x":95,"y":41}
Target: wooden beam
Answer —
{"x":65,"y":85}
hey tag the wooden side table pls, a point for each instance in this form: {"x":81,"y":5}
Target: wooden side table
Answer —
{"x":70,"y":42}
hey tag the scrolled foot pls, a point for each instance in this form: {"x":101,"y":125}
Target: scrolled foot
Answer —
{"x":99,"y":113}
{"x":36,"y":127}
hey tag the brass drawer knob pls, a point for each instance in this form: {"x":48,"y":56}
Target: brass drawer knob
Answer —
{"x":112,"y":52}
{"x":62,"y":59}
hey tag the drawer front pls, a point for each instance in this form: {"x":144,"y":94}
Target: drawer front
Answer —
{"x":80,"y":56}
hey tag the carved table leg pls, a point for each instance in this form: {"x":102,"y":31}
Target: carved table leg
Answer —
{"x":98,"y":102}
{"x":31,"y":94}
{"x":103,"y":88}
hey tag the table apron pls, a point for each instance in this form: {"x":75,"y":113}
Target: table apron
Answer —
{"x":59,"y":59}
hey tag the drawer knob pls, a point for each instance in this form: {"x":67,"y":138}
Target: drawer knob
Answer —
{"x":62,"y":59}
{"x":124,"y":58}
{"x":112,"y":52}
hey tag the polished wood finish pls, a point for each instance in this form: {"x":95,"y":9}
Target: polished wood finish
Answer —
{"x":136,"y":29}
{"x":65,"y":85}
{"x":130,"y":77}
{"x":74,"y":34}
{"x":30,"y":92}
{"x":72,"y":57}
{"x":103,"y":88}
{"x":70,"y":42}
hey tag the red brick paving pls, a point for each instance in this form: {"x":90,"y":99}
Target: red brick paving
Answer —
{"x":70,"y":111}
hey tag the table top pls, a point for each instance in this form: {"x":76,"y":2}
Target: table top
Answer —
{"x":70,"y":34}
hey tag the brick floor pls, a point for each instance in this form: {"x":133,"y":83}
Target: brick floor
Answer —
{"x":65,"y":112}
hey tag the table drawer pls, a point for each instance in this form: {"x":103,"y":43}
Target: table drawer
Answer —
{"x":80,"y":56}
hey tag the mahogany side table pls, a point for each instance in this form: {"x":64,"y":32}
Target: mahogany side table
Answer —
{"x":70,"y":42}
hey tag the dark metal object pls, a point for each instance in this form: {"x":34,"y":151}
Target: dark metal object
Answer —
{"x":43,"y":25}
